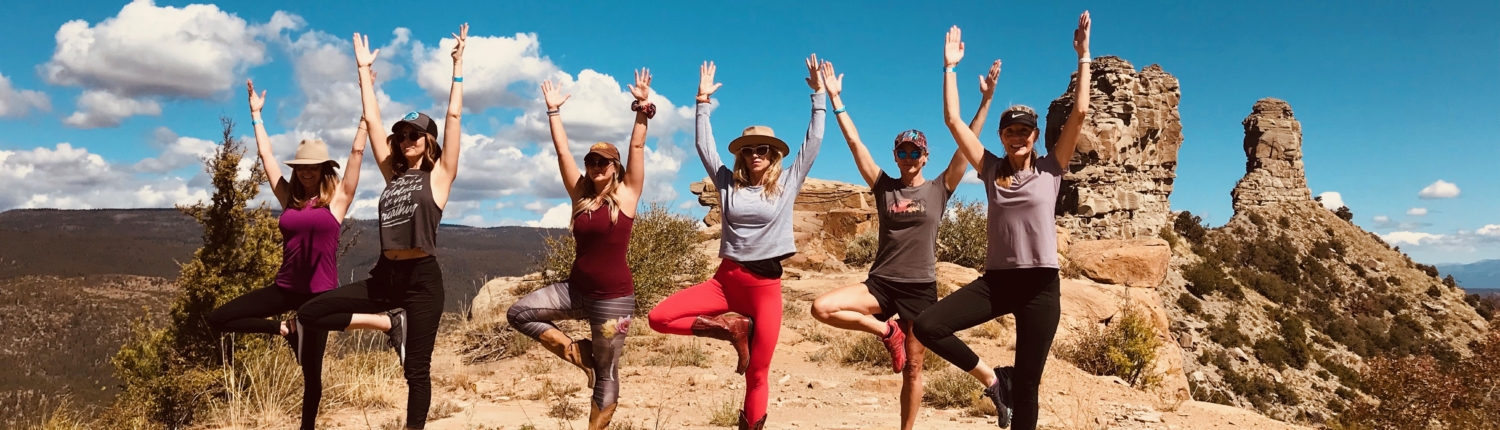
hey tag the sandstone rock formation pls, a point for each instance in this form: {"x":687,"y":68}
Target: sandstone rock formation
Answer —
{"x":1126,"y":159}
{"x":1138,"y":263}
{"x":825,"y":216}
{"x":1273,"y":152}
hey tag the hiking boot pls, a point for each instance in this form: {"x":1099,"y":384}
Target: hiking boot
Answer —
{"x":733,"y":328}
{"x":895,"y":343}
{"x":599,"y":418}
{"x":396,"y":336}
{"x":579,"y":353}
{"x":745,"y":424}
{"x":1000,"y":395}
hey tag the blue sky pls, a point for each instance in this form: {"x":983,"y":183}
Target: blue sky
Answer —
{"x":1393,"y":96}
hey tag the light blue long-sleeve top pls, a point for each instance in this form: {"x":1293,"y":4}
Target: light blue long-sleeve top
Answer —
{"x":755,"y":227}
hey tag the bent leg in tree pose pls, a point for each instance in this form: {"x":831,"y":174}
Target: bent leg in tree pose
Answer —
{"x":903,"y":278}
{"x":1021,"y":263}
{"x":314,"y":203}
{"x":756,"y":197}
{"x":599,"y":286}
{"x":403,"y":296}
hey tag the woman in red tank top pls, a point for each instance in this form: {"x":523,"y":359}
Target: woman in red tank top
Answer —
{"x":599,"y":287}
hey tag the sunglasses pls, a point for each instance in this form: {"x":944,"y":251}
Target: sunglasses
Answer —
{"x":910,"y":154}
{"x":410,"y":135}
{"x":596,"y":161}
{"x":757,"y":150}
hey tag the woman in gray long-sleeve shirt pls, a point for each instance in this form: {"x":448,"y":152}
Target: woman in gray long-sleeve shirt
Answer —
{"x":756,"y":197}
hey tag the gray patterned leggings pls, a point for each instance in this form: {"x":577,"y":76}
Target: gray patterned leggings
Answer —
{"x":533,"y":315}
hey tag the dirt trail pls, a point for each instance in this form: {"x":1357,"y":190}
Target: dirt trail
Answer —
{"x":806,"y":393}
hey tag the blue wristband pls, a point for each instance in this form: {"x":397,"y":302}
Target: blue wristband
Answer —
{"x":256,"y":122}
{"x":459,"y":79}
{"x":840,"y":110}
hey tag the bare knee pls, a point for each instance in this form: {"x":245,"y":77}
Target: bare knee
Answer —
{"x":823,"y":308}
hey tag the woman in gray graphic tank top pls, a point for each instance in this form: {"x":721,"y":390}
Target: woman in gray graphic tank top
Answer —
{"x":903,"y":278}
{"x":1020,"y":274}
{"x":403,"y":296}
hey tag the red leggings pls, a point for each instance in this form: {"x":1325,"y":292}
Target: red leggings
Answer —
{"x":732,"y":289}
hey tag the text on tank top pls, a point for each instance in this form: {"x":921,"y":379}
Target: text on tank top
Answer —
{"x":309,"y":249}
{"x":409,"y":216}
{"x":599,"y":269}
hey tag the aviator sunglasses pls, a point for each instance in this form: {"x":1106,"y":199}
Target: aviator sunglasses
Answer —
{"x":758,"y":150}
{"x":909,"y":154}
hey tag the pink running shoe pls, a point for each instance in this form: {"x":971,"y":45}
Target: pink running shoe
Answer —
{"x":895,"y":343}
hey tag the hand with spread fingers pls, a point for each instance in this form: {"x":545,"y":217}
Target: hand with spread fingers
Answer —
{"x":987,"y":83}
{"x":706,"y":84}
{"x":813,"y":80}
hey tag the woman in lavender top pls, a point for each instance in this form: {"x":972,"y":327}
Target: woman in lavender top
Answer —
{"x":314,"y":202}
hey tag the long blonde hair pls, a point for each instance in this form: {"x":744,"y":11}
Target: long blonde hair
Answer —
{"x":327,"y":185}
{"x":1007,"y":174}
{"x":594,"y":199}
{"x":772,"y":178}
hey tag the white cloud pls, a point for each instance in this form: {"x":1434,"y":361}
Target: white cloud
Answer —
{"x":971,"y":176}
{"x":1416,"y":211}
{"x":105,"y":109}
{"x":146,"y":51}
{"x":1381,"y":219}
{"x":1410,"y":237}
{"x":1439,"y":190}
{"x":491,"y":65}
{"x":1332,"y":200}
{"x":556,"y":217}
{"x":178,"y":152}
{"x":1492,"y":230}
{"x":15,"y":103}
{"x":74,"y":178}
{"x":535,"y":206}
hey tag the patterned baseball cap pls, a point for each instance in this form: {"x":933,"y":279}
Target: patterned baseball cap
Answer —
{"x":913,"y":136}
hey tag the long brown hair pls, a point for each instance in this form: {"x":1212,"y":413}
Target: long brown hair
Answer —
{"x":594,"y":199}
{"x":772,"y":178}
{"x":1007,"y":174}
{"x":398,"y":161}
{"x":327,"y":185}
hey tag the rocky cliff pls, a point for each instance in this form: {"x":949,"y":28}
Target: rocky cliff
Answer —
{"x":1126,"y":158}
{"x":1273,"y":158}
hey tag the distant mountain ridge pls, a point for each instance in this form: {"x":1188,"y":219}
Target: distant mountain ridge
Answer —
{"x":152,"y":242}
{"x":1479,"y":275}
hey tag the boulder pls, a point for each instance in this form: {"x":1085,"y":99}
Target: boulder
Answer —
{"x":826,"y":215}
{"x":1136,"y":263}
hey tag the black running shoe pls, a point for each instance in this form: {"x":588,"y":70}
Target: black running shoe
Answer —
{"x":1000,"y":395}
{"x":396,"y":336}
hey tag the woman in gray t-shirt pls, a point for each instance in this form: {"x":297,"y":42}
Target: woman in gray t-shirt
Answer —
{"x":1021,"y":269}
{"x":903,"y":278}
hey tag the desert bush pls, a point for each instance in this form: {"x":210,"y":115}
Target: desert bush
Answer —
{"x":170,"y":374}
{"x":961,"y":234}
{"x":663,"y":256}
{"x":491,"y":341}
{"x":1485,"y":308}
{"x":1434,"y":292}
{"x":860,"y":250}
{"x":1189,"y":304}
{"x":1421,"y":392}
{"x":1190,"y":227}
{"x":1203,"y":278}
{"x":725,"y":413}
{"x":34,"y":410}
{"x":950,"y":388}
{"x":1227,"y":332}
{"x":1125,"y":348}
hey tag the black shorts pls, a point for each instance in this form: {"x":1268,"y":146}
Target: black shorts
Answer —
{"x":907,"y":299}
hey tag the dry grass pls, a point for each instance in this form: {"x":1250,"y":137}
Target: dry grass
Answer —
{"x":443,"y":408}
{"x":559,"y":405}
{"x":725,"y":413}
{"x":1072,"y":413}
{"x":950,"y":388}
{"x":30,"y":410}
{"x":264,"y":387}
{"x":1166,"y":400}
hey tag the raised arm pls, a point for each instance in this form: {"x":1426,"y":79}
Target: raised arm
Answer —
{"x":635,"y":171}
{"x":447,"y":165}
{"x":833,"y":83}
{"x":956,"y":167}
{"x":968,"y":142}
{"x":571,"y":178}
{"x":345,"y":196}
{"x":814,"y":139}
{"x":1069,"y":137}
{"x":704,"y":137}
{"x":363,"y":58}
{"x":263,"y":147}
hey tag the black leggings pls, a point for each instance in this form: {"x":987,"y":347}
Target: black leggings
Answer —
{"x":1032,"y":295}
{"x":415,"y":285}
{"x":248,"y":313}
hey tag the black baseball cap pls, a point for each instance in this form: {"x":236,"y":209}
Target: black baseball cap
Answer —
{"x":1013,"y":117}
{"x":419,"y":121}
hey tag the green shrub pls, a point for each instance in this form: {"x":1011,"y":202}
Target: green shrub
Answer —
{"x":1257,"y":219}
{"x":860,"y":251}
{"x":1227,"y":332}
{"x":1189,"y":304}
{"x":1434,"y":292}
{"x":1190,"y":227}
{"x":961,"y":234}
{"x":1203,"y":279}
{"x":1271,"y":352}
{"x":663,"y":257}
{"x":1125,"y":348}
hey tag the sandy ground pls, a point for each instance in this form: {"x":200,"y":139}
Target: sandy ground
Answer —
{"x":805,"y":394}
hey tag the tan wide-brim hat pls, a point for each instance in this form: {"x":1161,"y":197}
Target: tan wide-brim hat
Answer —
{"x":312,"y":151}
{"x":758,"y":135}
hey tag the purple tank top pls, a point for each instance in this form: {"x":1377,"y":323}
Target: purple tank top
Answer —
{"x":309,"y":249}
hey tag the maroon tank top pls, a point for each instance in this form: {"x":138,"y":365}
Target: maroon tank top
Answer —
{"x":309,"y":249}
{"x":599,"y":268}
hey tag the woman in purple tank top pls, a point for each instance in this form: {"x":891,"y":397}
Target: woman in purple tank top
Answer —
{"x":599,"y":286}
{"x":314,"y":202}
